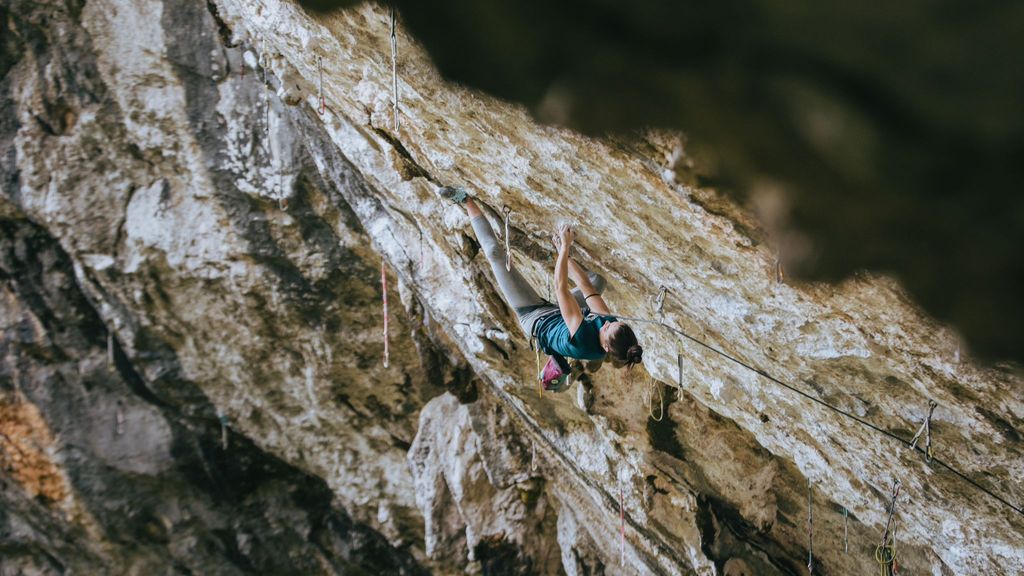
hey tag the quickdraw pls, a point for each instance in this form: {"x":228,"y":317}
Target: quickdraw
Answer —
{"x":384,"y":296}
{"x":508,"y":243}
{"x":885,"y":552}
{"x":926,"y":430}
{"x":846,"y":531}
{"x":679,"y":373}
{"x":658,"y":303}
{"x":810,"y":531}
{"x":394,"y":65}
{"x":320,"y":88}
{"x":540,"y":375}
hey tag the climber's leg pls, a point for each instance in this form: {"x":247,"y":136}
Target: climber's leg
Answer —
{"x":518,"y":292}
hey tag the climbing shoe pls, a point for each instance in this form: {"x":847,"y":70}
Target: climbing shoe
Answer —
{"x":453,"y":193}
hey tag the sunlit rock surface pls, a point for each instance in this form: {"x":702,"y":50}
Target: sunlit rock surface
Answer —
{"x":169,"y":181}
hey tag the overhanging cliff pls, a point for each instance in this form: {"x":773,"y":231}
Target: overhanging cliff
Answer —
{"x":168,"y":177}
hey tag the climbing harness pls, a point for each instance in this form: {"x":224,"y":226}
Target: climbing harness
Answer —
{"x":926,"y":429}
{"x":649,"y":398}
{"x":810,"y":531}
{"x":508,"y":243}
{"x":823,"y":403}
{"x":622,"y":529}
{"x":846,"y":531}
{"x":223,"y":430}
{"x":885,"y":553}
{"x":384,"y":296}
{"x":394,"y":66}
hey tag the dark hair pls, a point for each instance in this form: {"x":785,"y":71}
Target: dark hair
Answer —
{"x":624,"y":346}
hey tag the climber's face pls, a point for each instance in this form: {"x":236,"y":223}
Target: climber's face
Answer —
{"x":605,"y":334}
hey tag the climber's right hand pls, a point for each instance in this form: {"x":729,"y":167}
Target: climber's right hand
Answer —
{"x":566,"y":236}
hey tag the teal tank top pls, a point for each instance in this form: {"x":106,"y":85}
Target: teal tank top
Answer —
{"x":553,"y":336}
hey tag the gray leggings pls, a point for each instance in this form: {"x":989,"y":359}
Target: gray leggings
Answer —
{"x":528,"y":305}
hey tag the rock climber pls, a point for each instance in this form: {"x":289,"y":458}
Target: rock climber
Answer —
{"x":580,"y":326}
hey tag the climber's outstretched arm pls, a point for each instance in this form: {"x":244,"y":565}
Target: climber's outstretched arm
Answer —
{"x":591,"y":295}
{"x":567,"y":305}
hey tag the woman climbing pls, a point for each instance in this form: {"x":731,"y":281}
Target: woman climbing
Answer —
{"x":564,"y":330}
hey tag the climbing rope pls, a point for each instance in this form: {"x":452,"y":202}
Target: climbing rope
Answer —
{"x":885,"y":552}
{"x":818,"y":401}
{"x":810,"y":531}
{"x":384,"y":296}
{"x":533,"y":456}
{"x":394,"y":66}
{"x":926,"y":429}
{"x":649,"y":398}
{"x":320,"y":87}
{"x":508,"y":242}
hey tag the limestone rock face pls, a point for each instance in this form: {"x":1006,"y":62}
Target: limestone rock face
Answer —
{"x":194,"y":368}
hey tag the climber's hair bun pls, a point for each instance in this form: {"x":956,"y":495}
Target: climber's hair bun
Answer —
{"x":634,"y":355}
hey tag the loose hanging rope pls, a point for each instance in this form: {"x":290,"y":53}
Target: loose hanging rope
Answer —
{"x":649,"y":398}
{"x":818,"y":401}
{"x":810,"y":531}
{"x":885,"y":552}
{"x":384,"y":296}
{"x":394,"y":66}
{"x":926,"y":429}
{"x":508,"y":243}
